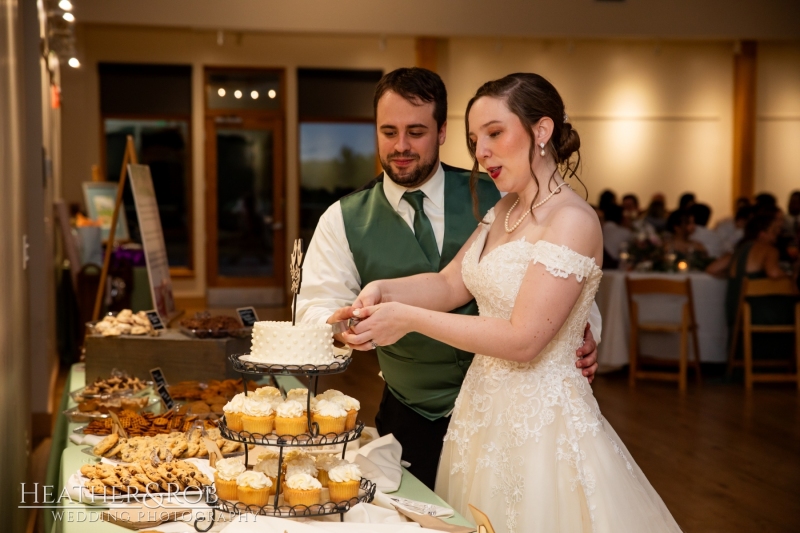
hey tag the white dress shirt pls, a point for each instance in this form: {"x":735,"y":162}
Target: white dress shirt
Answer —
{"x":709,"y":239}
{"x":330,"y":276}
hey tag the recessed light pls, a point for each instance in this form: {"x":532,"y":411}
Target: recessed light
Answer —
{"x":69,"y":17}
{"x":254,"y":95}
{"x":272,"y":93}
{"x":73,"y":62}
{"x":221,"y":92}
{"x":237,"y":93}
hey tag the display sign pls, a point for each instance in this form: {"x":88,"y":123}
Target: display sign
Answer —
{"x":155,"y":250}
{"x":158,"y":377}
{"x":166,"y":399}
{"x":155,"y":319}
{"x":248,"y":316}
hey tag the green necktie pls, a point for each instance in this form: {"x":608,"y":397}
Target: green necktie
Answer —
{"x":423,"y":230}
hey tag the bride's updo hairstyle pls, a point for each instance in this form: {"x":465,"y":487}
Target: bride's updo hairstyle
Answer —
{"x":531,"y":97}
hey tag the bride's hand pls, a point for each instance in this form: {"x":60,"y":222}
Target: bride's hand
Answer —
{"x":370,"y":295}
{"x":381,"y":324}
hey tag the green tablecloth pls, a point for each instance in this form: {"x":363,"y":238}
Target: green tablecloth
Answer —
{"x":66,"y":458}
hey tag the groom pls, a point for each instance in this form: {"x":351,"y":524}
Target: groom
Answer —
{"x":411,"y":219}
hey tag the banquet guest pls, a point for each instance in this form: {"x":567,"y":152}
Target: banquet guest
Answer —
{"x":791,"y":223}
{"x":412,"y":219}
{"x":615,"y":235}
{"x":686,"y":201}
{"x":630,"y":207}
{"x":682,"y":226}
{"x":708,"y":238}
{"x":608,"y":198}
{"x":730,"y":230}
{"x":656,"y":214}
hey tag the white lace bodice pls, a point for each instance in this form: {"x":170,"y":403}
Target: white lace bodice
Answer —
{"x":515,"y":402}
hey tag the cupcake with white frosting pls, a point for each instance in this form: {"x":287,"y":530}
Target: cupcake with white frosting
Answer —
{"x":300,"y":462}
{"x":352,"y":406}
{"x":268,"y":465}
{"x":227,"y":470}
{"x":267,"y":392}
{"x":234,"y":410}
{"x":330,"y":416}
{"x":253,"y":488}
{"x":258,"y":415}
{"x":324,"y":463}
{"x":302,"y":489}
{"x":290,"y":418}
{"x":344,"y":482}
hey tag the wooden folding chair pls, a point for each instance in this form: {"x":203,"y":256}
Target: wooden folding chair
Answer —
{"x":687,"y":328}
{"x":744,"y":323}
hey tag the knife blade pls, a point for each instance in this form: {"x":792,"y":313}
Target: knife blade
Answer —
{"x":344,"y":325}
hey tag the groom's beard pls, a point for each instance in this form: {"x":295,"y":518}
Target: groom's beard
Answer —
{"x":411,"y":178}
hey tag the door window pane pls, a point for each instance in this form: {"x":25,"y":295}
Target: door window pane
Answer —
{"x":162,"y":144}
{"x":245,"y":209}
{"x":335,"y":159}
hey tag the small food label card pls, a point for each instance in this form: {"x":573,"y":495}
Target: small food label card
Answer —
{"x":166,"y":399}
{"x":248,"y":316}
{"x":154,"y":319}
{"x":158,"y":377}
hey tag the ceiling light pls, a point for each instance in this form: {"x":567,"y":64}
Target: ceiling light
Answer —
{"x":221,"y":92}
{"x":69,"y":17}
{"x":272,"y":93}
{"x":254,"y":95}
{"x":237,"y":93}
{"x":66,"y":5}
{"x":73,"y":62}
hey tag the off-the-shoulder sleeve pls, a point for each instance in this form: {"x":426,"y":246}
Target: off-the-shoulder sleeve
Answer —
{"x":562,"y":261}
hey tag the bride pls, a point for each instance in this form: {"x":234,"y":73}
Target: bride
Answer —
{"x":526,"y":444}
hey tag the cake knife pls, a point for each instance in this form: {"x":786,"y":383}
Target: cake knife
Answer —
{"x":344,"y":325}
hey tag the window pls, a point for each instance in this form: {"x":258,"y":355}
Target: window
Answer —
{"x":337,"y":138}
{"x":153,"y":104}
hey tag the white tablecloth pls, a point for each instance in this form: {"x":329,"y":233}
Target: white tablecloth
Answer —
{"x":709,"y":308}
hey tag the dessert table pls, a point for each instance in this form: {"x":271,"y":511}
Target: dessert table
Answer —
{"x":67,"y":457}
{"x":708,"y":294}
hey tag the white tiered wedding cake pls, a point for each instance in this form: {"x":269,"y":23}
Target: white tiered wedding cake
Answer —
{"x":284,"y":344}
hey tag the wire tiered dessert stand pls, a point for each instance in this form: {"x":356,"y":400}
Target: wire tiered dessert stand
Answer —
{"x":312,"y":438}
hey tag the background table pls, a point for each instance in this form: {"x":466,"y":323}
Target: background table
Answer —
{"x":708,"y":294}
{"x":66,"y":458}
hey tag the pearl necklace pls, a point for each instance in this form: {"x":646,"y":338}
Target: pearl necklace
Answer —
{"x":516,"y":225}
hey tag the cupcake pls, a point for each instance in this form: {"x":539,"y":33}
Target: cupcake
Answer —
{"x":267,"y":392}
{"x":253,"y":488}
{"x":258,"y":415}
{"x":300,"y":462}
{"x":302,"y":489}
{"x":324,"y":464}
{"x":345,"y":479}
{"x":352,"y":406}
{"x":329,"y":394}
{"x":233,"y":412}
{"x":298,"y":395}
{"x":227,"y":470}
{"x":330,"y":416}
{"x":290,"y":419}
{"x":268,"y":465}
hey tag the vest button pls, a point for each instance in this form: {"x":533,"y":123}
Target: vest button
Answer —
{"x":460,"y":363}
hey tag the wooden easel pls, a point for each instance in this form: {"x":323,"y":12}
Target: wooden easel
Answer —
{"x":128,"y":158}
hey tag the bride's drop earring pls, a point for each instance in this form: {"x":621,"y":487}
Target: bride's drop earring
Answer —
{"x":541,"y":145}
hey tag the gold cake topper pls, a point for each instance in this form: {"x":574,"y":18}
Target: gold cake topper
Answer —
{"x":296,"y":271}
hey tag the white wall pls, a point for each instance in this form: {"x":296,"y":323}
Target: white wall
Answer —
{"x":81,"y":134}
{"x":778,"y":120}
{"x":652,"y":117}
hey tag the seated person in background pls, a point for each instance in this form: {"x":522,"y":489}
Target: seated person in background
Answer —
{"x":630,"y":207}
{"x":656,"y":214}
{"x":791,"y":221}
{"x":703,"y":235}
{"x":731,"y":230}
{"x":614,"y":235}
{"x":681,"y":225}
{"x":755,"y":257}
{"x":687,"y":201}
{"x":608,"y":198}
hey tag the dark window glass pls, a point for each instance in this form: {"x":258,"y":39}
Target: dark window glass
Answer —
{"x":337,"y":138}
{"x":153,"y":104}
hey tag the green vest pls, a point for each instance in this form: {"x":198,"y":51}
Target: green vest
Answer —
{"x":422,"y":373}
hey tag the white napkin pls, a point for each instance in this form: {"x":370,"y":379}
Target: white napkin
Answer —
{"x":380,"y":462}
{"x":91,"y":440}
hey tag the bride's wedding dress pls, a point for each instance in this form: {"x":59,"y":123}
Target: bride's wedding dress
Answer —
{"x":527,"y":444}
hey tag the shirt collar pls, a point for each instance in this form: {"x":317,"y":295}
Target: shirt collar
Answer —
{"x":433,"y":189}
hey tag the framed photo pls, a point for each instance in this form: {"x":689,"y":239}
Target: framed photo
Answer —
{"x":100,"y":197}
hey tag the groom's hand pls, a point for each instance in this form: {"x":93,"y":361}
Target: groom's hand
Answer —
{"x":343,"y":313}
{"x":587,"y":354}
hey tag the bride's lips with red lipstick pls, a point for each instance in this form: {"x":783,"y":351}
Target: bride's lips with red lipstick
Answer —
{"x":494,"y":172}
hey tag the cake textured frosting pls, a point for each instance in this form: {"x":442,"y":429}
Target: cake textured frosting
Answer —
{"x":284,"y":344}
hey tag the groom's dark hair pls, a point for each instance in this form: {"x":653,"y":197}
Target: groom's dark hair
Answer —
{"x":417,"y":85}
